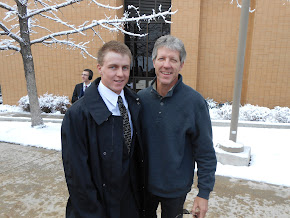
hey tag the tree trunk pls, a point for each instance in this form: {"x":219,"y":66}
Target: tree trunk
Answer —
{"x":28,"y":64}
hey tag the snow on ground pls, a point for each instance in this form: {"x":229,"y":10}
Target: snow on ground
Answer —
{"x":269,"y":154}
{"x":270,"y":148}
{"x":22,"y":133}
{"x":10,"y":108}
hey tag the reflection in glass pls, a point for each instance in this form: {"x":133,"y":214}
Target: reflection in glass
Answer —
{"x":142,"y":70}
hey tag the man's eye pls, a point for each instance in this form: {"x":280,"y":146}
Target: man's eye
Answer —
{"x":125,"y":68}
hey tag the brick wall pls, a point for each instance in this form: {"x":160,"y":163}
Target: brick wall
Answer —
{"x":269,"y":69}
{"x":57,"y":68}
{"x":209,"y":30}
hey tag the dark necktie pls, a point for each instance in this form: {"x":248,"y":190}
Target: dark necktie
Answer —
{"x":85,"y":88}
{"x":126,"y":123}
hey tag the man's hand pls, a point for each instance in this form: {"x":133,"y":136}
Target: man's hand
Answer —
{"x":200,"y":207}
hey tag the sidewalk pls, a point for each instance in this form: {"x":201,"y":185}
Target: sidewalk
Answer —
{"x":32,"y":184}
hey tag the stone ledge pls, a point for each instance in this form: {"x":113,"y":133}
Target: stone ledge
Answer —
{"x":230,"y":146}
{"x":254,"y":124}
{"x":235,"y":159}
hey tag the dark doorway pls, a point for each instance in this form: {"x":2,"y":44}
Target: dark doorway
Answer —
{"x":142,"y":70}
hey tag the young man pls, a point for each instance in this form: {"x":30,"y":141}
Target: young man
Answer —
{"x":177,"y":133}
{"x":80,"y":88}
{"x":101,"y":150}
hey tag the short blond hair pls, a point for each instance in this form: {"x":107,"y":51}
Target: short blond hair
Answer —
{"x":114,"y":46}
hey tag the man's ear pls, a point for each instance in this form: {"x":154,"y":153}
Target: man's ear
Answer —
{"x":181,"y":65}
{"x":99,"y":69}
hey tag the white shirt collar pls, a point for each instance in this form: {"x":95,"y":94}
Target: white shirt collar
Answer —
{"x":86,"y":85}
{"x":111,"y":96}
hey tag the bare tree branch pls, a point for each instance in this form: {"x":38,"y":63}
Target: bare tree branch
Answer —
{"x":106,"y":23}
{"x":9,"y":33}
{"x":82,"y":46}
{"x":98,"y":34}
{"x":107,"y":6}
{"x":117,"y":28}
{"x":7,"y":7}
{"x":58,"y":20}
{"x":19,"y":40}
{"x":8,"y":45}
{"x":53,"y":7}
{"x":41,"y":27}
{"x":55,"y":17}
{"x":70,"y":2}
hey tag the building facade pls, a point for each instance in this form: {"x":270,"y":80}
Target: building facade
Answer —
{"x":209,"y":30}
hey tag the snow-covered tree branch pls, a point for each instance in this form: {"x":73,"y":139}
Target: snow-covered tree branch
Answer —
{"x":49,"y":12}
{"x":22,"y":26}
{"x":64,"y":4}
{"x":110,"y":24}
{"x":7,"y":7}
{"x":9,"y":33}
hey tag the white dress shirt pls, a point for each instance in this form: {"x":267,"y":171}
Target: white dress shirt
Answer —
{"x":111,"y":100}
{"x":84,"y":86}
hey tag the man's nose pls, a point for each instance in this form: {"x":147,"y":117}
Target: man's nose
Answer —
{"x":167,"y":63}
{"x":120,"y":72}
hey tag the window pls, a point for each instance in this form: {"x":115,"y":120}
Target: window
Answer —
{"x":142,"y":70}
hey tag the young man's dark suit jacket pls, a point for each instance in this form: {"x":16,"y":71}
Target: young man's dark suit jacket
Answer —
{"x":78,"y":92}
{"x":92,"y":140}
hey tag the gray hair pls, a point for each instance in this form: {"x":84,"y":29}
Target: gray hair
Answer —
{"x":172,"y":43}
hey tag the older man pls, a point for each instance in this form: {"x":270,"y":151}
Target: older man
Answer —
{"x":177,"y":133}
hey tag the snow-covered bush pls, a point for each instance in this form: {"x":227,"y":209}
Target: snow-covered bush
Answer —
{"x":281,"y":114}
{"x":24,"y":103}
{"x":52,"y":104}
{"x":249,"y":112}
{"x":48,"y":103}
{"x":211,"y":103}
{"x":225,"y":111}
{"x":254,"y":113}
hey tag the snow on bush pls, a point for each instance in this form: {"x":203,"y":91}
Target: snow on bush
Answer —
{"x":254,"y":113}
{"x":211,"y":103}
{"x":223,"y":112}
{"x":249,"y":112}
{"x":48,"y":103}
{"x":281,"y":114}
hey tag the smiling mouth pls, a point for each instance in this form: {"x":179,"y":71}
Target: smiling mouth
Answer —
{"x":119,"y":81}
{"x":166,"y":73}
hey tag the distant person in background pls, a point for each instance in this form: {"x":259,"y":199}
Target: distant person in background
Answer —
{"x":80,"y":88}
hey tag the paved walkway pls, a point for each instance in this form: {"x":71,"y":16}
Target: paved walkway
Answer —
{"x":32,"y":184}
